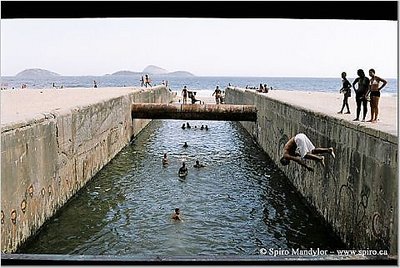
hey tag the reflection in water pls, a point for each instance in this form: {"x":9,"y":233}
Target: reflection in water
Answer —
{"x":238,"y":203}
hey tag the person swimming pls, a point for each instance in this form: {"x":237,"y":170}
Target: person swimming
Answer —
{"x":185,"y":145}
{"x":165,"y":160}
{"x":198,"y":165}
{"x":176,"y":215}
{"x":183,"y":171}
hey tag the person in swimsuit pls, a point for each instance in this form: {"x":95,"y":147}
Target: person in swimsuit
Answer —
{"x":375,"y":94}
{"x":198,"y":165}
{"x":184,"y":95}
{"x":346,"y":90}
{"x":299,"y":148}
{"x":361,"y":93}
{"x":183,"y":169}
{"x":165,"y":160}
{"x":176,"y":215}
{"x":217,"y":93}
{"x":147,"y":81}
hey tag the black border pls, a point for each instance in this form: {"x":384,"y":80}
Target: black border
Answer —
{"x":357,"y":10}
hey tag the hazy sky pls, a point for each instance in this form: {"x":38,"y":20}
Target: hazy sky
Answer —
{"x":204,"y":47}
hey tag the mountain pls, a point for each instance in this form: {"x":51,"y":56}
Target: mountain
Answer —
{"x":152,"y":69}
{"x":36,"y":73}
{"x":126,"y":73}
{"x":180,"y":74}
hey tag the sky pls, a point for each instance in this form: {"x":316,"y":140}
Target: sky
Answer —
{"x":203,"y":46}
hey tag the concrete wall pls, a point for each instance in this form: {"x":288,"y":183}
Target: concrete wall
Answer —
{"x":46,"y":161}
{"x":357,"y":192}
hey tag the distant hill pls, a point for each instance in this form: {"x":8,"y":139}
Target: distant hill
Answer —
{"x":152,"y":69}
{"x":180,"y":74}
{"x":36,"y":73}
{"x":126,"y":73}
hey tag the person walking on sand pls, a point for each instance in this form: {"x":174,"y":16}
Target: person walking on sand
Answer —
{"x":184,"y":95}
{"x":299,"y":148}
{"x":346,"y":90}
{"x":94,"y":84}
{"x":375,"y":94}
{"x":147,"y":81}
{"x":361,"y":94}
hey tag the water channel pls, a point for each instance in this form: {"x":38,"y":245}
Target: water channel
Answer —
{"x":237,"y":204}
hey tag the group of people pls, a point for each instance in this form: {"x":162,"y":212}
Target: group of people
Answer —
{"x":263,"y":88}
{"x":189,"y":94}
{"x":366,"y":90}
{"x":188,"y":126}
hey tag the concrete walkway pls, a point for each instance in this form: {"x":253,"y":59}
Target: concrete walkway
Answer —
{"x":330,"y":103}
{"x":23,"y":105}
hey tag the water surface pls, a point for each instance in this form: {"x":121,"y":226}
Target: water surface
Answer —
{"x":239,"y":203}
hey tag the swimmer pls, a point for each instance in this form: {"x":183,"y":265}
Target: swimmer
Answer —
{"x":188,"y":125}
{"x":183,"y":126}
{"x":206,"y":127}
{"x":165,"y":160}
{"x":198,"y":165}
{"x":183,"y":171}
{"x":176,"y":215}
{"x":202,"y":127}
{"x":185,"y":145}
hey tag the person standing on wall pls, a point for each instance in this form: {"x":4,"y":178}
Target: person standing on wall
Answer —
{"x":346,"y":90}
{"x":184,"y":95}
{"x":375,"y":94}
{"x":217,"y":93}
{"x":362,"y":91}
{"x":147,"y":80}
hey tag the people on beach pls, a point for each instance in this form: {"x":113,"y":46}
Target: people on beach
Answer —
{"x":165,"y":161}
{"x":94,"y":84}
{"x":198,"y":165}
{"x":375,"y":94}
{"x":346,"y":90}
{"x":217,"y":92}
{"x":299,"y":148}
{"x":185,"y":145}
{"x":176,"y":215}
{"x":147,"y":81}
{"x":361,"y":94}
{"x":184,"y":95}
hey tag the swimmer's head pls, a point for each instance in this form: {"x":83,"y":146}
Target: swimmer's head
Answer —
{"x":284,"y":161}
{"x":177,"y":210}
